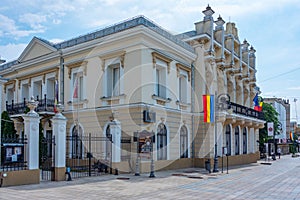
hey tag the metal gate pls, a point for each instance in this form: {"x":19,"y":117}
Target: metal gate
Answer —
{"x":88,"y":155}
{"x":47,"y":157}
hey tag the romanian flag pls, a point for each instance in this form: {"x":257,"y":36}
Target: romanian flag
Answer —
{"x":257,"y":103}
{"x":208,"y":108}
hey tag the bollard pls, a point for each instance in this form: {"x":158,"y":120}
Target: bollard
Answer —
{"x":116,"y":171}
{"x":207,"y":166}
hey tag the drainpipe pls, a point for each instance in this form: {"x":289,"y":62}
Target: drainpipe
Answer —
{"x":193,"y":108}
{"x":62,"y":79}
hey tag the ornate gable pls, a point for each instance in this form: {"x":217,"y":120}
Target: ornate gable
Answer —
{"x":36,"y":48}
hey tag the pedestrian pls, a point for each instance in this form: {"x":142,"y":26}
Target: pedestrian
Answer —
{"x":279,"y":152}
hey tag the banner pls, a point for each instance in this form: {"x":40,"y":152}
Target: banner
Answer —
{"x":208,"y":108}
{"x":270,"y":128}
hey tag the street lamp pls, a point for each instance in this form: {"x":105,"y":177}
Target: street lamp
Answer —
{"x":222,"y":104}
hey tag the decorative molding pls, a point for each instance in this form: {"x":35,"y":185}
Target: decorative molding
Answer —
{"x":112,"y":98}
{"x":102,"y":64}
{"x":161,"y":100}
{"x":10,"y":82}
{"x":118,"y":54}
{"x":76,"y":65}
{"x":182,"y":105}
{"x":43,"y":74}
{"x":185,"y":68}
{"x":80,"y":102}
{"x":156,"y":56}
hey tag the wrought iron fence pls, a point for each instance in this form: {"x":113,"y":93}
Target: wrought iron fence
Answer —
{"x":88,"y":155}
{"x":45,"y":104}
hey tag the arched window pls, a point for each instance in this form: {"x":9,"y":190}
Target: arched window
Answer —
{"x":183,"y":142}
{"x":244,"y":141}
{"x":228,"y":139}
{"x":237,"y":141}
{"x":161,"y":142}
{"x":76,"y":142}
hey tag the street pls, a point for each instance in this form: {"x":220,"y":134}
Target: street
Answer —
{"x":256,"y":181}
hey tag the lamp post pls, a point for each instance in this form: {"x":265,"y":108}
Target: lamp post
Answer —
{"x":222,"y":103}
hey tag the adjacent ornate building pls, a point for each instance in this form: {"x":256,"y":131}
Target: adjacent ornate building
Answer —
{"x":135,"y":76}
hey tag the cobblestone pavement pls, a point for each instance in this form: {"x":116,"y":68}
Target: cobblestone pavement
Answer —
{"x":256,"y":181}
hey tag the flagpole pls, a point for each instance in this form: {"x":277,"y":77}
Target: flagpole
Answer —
{"x":216,"y":162}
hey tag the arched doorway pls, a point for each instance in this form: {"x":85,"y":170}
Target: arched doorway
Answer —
{"x":228,"y":139}
{"x":245,"y":140}
{"x":77,"y":145}
{"x":161,"y":142}
{"x":237,"y":140}
{"x":183,"y":142}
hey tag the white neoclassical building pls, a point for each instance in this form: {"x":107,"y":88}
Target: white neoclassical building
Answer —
{"x":136,"y":77}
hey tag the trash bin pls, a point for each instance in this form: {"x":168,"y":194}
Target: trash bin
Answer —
{"x":207,"y":166}
{"x":273,"y":156}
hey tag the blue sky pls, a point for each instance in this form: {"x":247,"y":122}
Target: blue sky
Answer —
{"x":271,"y":26}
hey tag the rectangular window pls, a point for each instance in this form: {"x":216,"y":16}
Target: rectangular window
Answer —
{"x":50,"y":88}
{"x":161,"y":82}
{"x":37,"y":90}
{"x":113,"y":80}
{"x":10,"y":95}
{"x":25,"y":91}
{"x":78,"y":86}
{"x":183,"y":89}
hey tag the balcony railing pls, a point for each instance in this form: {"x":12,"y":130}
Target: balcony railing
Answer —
{"x":20,"y":108}
{"x":242,"y":110}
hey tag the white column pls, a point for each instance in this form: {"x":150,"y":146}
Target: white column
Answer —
{"x":31,"y":129}
{"x":59,"y":131}
{"x":1,"y":108}
{"x":115,"y":131}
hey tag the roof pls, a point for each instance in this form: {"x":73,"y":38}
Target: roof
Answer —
{"x":122,"y":26}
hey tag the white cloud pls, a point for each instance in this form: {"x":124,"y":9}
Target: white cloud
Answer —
{"x":294,"y":88}
{"x":11,"y":51}
{"x":56,"y":40}
{"x":33,"y":20}
{"x":7,"y":25}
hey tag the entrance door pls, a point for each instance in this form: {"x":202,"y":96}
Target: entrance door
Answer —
{"x":47,"y":156}
{"x":161,"y":142}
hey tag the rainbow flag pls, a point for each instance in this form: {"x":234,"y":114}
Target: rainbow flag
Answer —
{"x":208,"y":108}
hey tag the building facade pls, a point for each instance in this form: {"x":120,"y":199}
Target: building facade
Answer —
{"x":282,"y":107}
{"x":135,"y":76}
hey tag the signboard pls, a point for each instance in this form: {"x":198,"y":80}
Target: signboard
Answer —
{"x":13,"y":152}
{"x":145,"y":142}
{"x":270,"y":128}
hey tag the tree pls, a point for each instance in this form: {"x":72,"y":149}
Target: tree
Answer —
{"x":7,"y":126}
{"x":270,"y":115}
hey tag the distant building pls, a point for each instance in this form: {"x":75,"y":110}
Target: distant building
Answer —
{"x":282,"y":106}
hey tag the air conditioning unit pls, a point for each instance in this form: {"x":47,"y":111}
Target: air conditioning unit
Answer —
{"x":149,"y":116}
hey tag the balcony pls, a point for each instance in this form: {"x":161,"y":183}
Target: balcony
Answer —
{"x":249,"y":112}
{"x":45,"y":105}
